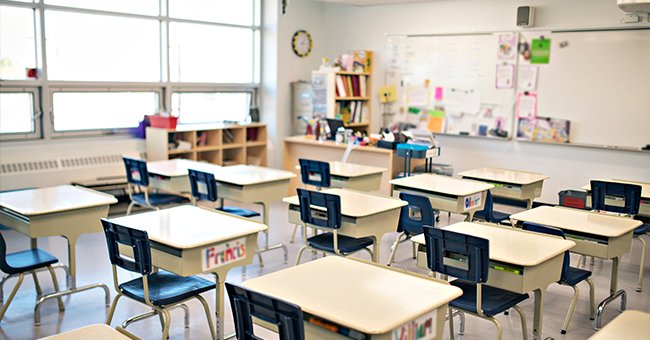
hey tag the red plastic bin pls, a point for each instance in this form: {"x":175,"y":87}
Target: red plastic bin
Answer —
{"x":573,"y":199}
{"x":165,"y":122}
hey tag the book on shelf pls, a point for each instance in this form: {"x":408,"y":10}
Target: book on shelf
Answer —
{"x":340,"y":88}
{"x":362,"y":85}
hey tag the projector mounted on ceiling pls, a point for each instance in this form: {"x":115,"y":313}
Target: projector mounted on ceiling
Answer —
{"x":634,"y":6}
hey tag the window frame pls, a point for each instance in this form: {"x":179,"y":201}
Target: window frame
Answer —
{"x":37,"y":116}
{"x":233,"y":89}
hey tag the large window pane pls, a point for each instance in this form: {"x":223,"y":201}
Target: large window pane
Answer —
{"x":238,"y":12}
{"x":211,"y":54}
{"x":74,"y":111}
{"x":147,"y":7}
{"x":16,"y":112}
{"x":102,"y":48}
{"x":210,"y":107}
{"x":17,"y":49}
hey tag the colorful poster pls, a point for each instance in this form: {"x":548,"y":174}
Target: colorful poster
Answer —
{"x":507,"y":46}
{"x":505,"y":76}
{"x":526,"y":105}
{"x":540,"y":51}
{"x":436,"y":122}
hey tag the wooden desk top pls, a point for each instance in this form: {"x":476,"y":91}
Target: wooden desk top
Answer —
{"x":353,"y":170}
{"x":95,"y":332}
{"x":631,"y":324}
{"x":363,"y":296}
{"x":250,"y":174}
{"x":358,"y":204}
{"x":187,"y":226}
{"x":504,"y":175}
{"x":511,"y":245}
{"x":178,"y":167}
{"x":442,"y":184}
{"x":578,"y":220}
{"x":645,"y":187}
{"x":331,"y":144}
{"x":53,"y":199}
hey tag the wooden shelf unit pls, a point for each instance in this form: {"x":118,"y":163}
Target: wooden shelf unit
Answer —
{"x":217,"y":143}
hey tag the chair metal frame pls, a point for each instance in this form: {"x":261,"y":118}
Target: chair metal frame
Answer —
{"x":140,"y":184}
{"x":412,"y":216}
{"x":307,"y":168}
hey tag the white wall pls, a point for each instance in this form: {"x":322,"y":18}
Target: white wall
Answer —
{"x":350,"y":27}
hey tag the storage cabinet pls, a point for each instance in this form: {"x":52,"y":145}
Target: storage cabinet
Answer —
{"x":218,"y":144}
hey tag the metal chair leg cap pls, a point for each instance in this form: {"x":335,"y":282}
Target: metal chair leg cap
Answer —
{"x":639,"y":290}
{"x":563,"y":331}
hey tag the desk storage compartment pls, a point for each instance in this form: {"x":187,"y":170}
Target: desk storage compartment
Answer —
{"x":573,"y":199}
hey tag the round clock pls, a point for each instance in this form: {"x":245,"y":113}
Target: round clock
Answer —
{"x":301,"y":43}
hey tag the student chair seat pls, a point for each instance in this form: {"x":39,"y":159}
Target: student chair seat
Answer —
{"x":246,"y":303}
{"x":412,"y":219}
{"x":603,"y":194}
{"x":137,"y":177}
{"x":488,"y":213}
{"x":315,"y":173}
{"x":571,"y":276}
{"x":159,"y":290}
{"x":21,"y":262}
{"x":471,"y":272}
{"x":323,"y":211}
{"x":204,"y":187}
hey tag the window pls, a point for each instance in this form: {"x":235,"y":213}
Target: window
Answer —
{"x":236,"y":12}
{"x":16,"y":112}
{"x":196,"y":107}
{"x":78,"y":111}
{"x":146,"y":7}
{"x":17,"y":48}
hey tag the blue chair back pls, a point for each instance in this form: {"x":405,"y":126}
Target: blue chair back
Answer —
{"x":203,"y":184}
{"x":328,"y":218}
{"x":414,"y":216}
{"x":136,"y":171}
{"x":488,"y":207}
{"x":246,"y":303}
{"x":629,"y":193}
{"x":472,"y":250}
{"x":315,"y":173}
{"x":543,"y":229}
{"x":137,"y":240}
{"x":4,"y":266}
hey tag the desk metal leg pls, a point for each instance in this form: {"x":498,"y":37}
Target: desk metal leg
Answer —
{"x":265,"y":219}
{"x":73,"y":284}
{"x":539,"y":312}
{"x":219,"y":306}
{"x":614,"y":293}
{"x":529,"y":204}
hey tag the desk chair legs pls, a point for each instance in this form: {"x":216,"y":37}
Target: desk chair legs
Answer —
{"x":522,"y":316}
{"x":11,"y":295}
{"x":639,"y":287}
{"x":574,"y":300}
{"x":391,"y":258}
{"x":39,"y":292}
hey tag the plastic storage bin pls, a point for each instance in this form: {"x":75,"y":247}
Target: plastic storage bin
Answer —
{"x":573,"y":199}
{"x":165,"y":122}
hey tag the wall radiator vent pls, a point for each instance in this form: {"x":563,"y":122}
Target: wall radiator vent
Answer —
{"x":40,"y":166}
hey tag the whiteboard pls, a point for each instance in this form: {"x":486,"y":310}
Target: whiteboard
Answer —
{"x":463,"y":66}
{"x":600,"y":81}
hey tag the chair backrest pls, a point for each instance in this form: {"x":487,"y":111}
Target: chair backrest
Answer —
{"x":626,"y":196}
{"x":488,"y":207}
{"x":330,"y":217}
{"x":469,"y":254}
{"x":246,"y":303}
{"x":137,"y":240}
{"x":543,"y":229}
{"x":4,"y":266}
{"x":136,"y":171}
{"x":415,"y":215}
{"x":315,"y":173}
{"x":203,"y":184}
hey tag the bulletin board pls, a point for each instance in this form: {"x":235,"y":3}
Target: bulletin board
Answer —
{"x":598,"y":81}
{"x":461,"y":84}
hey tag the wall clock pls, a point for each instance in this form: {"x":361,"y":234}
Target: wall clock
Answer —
{"x":301,"y":43}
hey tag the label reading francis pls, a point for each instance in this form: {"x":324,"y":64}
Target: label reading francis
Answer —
{"x":472,"y":201}
{"x":223,"y":254}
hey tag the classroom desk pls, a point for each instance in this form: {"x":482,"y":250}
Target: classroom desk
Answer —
{"x":630,"y":325}
{"x":182,"y":239}
{"x":514,"y":184}
{"x":363,"y":215}
{"x":95,"y":332}
{"x":520,"y":261}
{"x":595,"y":234}
{"x":63,"y":210}
{"x":644,"y":206}
{"x":241,"y":183}
{"x":355,"y":176}
{"x":445,"y":193}
{"x":364,"y":298}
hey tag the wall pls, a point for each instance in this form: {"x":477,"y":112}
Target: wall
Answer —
{"x":350,"y":27}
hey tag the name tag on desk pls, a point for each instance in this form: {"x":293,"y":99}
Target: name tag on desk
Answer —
{"x":222,"y":254}
{"x":472,"y":201}
{"x":422,"y":328}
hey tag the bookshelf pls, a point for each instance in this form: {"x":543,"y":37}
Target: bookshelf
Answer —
{"x":221,"y":144}
{"x":344,"y":94}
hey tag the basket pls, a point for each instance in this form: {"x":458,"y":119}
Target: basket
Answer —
{"x":573,"y":199}
{"x":165,"y":122}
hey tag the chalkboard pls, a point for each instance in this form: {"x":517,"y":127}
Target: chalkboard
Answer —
{"x":600,"y":82}
{"x":447,"y":83}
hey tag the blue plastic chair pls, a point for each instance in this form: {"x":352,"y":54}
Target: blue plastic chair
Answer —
{"x":327,"y":218}
{"x":26,"y":261}
{"x":412,"y":219}
{"x":246,"y":303}
{"x":630,"y":194}
{"x":160,"y":290}
{"x":471,"y":256}
{"x":316,"y":173}
{"x":204,"y":187}
{"x":571,"y":276}
{"x":489,"y":214}
{"x":138,"y":177}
